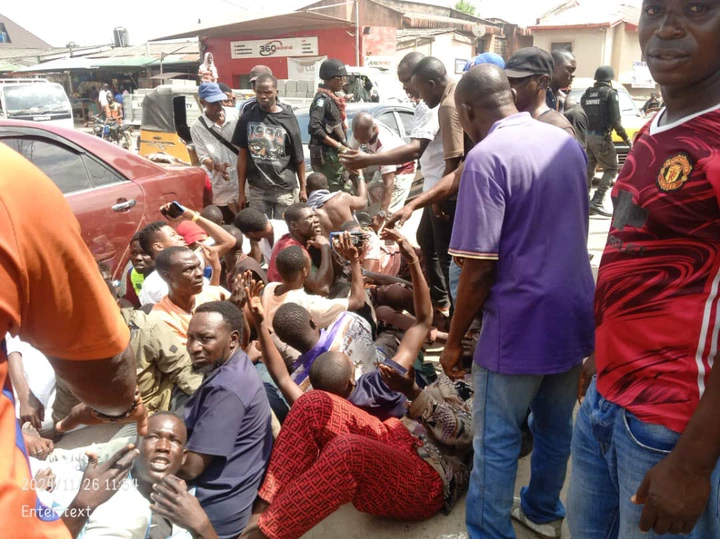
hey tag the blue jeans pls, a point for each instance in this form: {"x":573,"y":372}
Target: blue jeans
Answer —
{"x":612,"y":450}
{"x":500,"y":406}
{"x":454,"y":280}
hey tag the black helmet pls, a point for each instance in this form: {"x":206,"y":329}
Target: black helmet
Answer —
{"x":332,"y":68}
{"x":604,"y":74}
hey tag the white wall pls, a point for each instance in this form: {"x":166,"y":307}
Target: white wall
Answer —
{"x":447,"y":49}
{"x":588,"y":46}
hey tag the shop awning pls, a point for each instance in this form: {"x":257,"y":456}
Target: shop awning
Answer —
{"x":265,"y":25}
{"x":63,"y":64}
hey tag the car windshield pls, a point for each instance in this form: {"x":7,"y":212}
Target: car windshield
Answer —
{"x":627,"y":105}
{"x":36,"y":98}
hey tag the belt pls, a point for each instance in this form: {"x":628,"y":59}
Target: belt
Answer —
{"x":598,"y":133}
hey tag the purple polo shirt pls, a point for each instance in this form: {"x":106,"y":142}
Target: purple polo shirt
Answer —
{"x":523,"y":202}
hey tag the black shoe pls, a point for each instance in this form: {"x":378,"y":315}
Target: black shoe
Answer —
{"x":597,"y":209}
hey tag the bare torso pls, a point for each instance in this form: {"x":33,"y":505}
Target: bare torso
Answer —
{"x":334,"y":213}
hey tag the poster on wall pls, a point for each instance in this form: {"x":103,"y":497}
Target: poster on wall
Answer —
{"x":641,"y":77}
{"x":460,"y":64}
{"x":306,"y":69}
{"x":274,"y":48}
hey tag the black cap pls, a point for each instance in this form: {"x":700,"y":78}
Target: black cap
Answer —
{"x":528,"y":62}
{"x":332,"y":68}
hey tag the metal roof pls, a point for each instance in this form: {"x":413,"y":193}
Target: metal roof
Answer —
{"x":265,"y":25}
{"x":589,"y":15}
{"x":21,"y":38}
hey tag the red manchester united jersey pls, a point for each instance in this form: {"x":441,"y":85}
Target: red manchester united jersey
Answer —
{"x":656,"y":305}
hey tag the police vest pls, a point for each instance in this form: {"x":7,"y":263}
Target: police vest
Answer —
{"x":595,"y":104}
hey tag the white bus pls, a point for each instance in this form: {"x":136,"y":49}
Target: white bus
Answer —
{"x":35,"y":100}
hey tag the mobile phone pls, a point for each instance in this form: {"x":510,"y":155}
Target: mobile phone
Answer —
{"x":394,"y":365}
{"x":174,"y":210}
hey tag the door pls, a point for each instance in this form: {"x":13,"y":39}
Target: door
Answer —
{"x":108,"y":207}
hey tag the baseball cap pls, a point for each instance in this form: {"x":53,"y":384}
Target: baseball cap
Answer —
{"x":191,"y":232}
{"x":258,"y":70}
{"x":485,"y":58}
{"x":211,"y":92}
{"x":528,"y":62}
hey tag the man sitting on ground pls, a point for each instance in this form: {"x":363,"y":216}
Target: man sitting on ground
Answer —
{"x":388,"y":185}
{"x":304,"y":230}
{"x":213,"y":214}
{"x":236,"y":262}
{"x":181,"y":270}
{"x":164,"y":371}
{"x":349,"y":334}
{"x":376,"y":255}
{"x":228,"y":420}
{"x":142,"y":266}
{"x":330,"y":453}
{"x":158,"y":235}
{"x":264,"y":233}
{"x":294,"y":266}
{"x":333,"y":209}
{"x":110,"y":504}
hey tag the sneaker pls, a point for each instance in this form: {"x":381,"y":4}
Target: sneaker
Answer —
{"x":550,"y":530}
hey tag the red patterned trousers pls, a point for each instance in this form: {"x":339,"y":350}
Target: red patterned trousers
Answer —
{"x":330,"y":453}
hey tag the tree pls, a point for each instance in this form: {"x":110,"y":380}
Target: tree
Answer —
{"x":466,"y":7}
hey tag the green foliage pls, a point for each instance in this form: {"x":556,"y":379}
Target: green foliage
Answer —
{"x":466,"y":7}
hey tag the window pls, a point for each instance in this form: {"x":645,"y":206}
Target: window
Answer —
{"x":62,"y":165}
{"x":562,"y":46}
{"x":388,"y":118}
{"x":408,"y":120}
{"x":99,"y":174}
{"x":4,"y":36}
{"x":500,"y":47}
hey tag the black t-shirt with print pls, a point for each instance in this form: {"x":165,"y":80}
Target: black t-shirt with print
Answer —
{"x":273,"y":143}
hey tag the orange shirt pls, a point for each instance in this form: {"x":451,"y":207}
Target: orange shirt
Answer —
{"x":179,"y":319}
{"x":52,"y":295}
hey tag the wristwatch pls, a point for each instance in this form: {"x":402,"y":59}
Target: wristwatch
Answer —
{"x":114,"y":419}
{"x":382,"y":214}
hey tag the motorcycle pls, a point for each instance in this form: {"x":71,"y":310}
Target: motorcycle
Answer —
{"x":113,"y":132}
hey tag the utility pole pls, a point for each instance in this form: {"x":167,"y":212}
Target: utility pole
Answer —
{"x":357,"y":33}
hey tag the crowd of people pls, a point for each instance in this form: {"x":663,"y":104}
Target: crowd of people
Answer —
{"x":264,"y":357}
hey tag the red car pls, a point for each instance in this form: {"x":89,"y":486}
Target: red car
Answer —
{"x":112,"y":192}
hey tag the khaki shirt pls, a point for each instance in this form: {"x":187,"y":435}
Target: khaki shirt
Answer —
{"x":161,"y":360}
{"x":453,"y":136}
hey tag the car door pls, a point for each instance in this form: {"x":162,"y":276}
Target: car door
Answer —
{"x":387,"y":117}
{"x":407,"y":121}
{"x":108,"y":206}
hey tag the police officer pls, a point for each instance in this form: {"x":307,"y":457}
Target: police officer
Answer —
{"x":328,"y":124}
{"x":602,"y":105}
